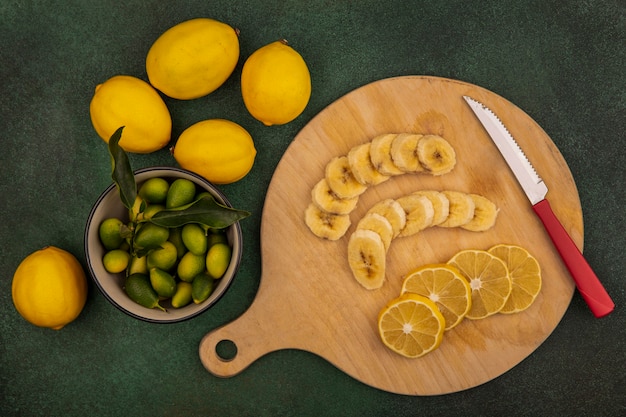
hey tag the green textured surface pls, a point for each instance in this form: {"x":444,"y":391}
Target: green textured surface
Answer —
{"x":561,"y":62}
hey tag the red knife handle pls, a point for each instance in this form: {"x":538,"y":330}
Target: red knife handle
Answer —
{"x":586,"y":280}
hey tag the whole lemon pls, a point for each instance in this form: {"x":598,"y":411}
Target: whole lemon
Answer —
{"x":219,"y":150}
{"x":49,"y":288}
{"x":275,"y":84}
{"x":193,"y":58}
{"x":128,"y":101}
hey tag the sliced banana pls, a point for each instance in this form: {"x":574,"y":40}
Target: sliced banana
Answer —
{"x":435,"y":154}
{"x":392,"y":211}
{"x":378,"y":224}
{"x":341,"y":180}
{"x":404,"y":152}
{"x":441,"y":205}
{"x":367,"y":258}
{"x":419,"y":213}
{"x":324,"y":198}
{"x":326,"y":225}
{"x":461,"y":209}
{"x":380,"y":154}
{"x":406,"y":216}
{"x":485,"y":213}
{"x":347,"y":177}
{"x":362,"y":168}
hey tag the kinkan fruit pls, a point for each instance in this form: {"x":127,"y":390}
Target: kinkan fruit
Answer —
{"x":160,"y":263}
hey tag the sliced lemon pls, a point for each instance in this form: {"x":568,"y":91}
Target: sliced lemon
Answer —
{"x":445,"y":286}
{"x":411,"y":325}
{"x":488,"y":278}
{"x":525,"y":274}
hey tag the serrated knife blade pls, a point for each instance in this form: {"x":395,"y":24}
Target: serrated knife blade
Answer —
{"x":588,"y":284}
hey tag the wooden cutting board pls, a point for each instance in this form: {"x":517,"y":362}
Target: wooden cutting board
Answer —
{"x":307,"y":297}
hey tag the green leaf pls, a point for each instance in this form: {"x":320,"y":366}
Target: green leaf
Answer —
{"x":205,"y":211}
{"x":122,"y":172}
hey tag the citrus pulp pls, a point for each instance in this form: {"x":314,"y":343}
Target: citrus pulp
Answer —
{"x":445,"y":286}
{"x":488,"y":278}
{"x":525,"y":275}
{"x":411,"y":325}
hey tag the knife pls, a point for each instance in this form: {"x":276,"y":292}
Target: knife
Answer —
{"x":587,"y":282}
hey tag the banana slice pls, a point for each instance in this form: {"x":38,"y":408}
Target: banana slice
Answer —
{"x":461,"y":209}
{"x":419,"y":213}
{"x":380,"y":154}
{"x":341,"y":180}
{"x":324,"y":198}
{"x":326,"y":225}
{"x":378,"y":224}
{"x":485,"y":213}
{"x":366,"y":257}
{"x":392,"y":211}
{"x":441,"y":205}
{"x":435,"y":154}
{"x":404,"y":152}
{"x":361,"y":166}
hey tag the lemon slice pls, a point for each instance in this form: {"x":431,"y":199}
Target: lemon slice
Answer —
{"x":445,"y":286}
{"x":525,"y":274}
{"x":411,"y":325}
{"x":488,"y":278}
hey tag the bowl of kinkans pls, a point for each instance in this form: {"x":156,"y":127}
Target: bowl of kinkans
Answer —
{"x":118,"y":286}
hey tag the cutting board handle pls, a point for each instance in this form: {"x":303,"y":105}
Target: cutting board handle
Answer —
{"x":242,"y":357}
{"x":250,"y":338}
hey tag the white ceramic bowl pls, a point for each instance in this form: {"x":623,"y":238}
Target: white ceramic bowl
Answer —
{"x":111,"y":285}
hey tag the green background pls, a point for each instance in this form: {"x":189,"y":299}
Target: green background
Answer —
{"x":560,"y":61}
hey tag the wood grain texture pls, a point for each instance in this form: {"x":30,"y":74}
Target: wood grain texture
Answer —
{"x":307,"y":297}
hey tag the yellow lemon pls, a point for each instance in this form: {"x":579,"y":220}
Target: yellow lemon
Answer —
{"x":49,"y":288}
{"x":193,"y":58}
{"x":219,"y":150}
{"x":275,"y":84}
{"x":127,"y":101}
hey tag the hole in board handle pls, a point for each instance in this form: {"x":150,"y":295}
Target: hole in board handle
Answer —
{"x":226,"y":350}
